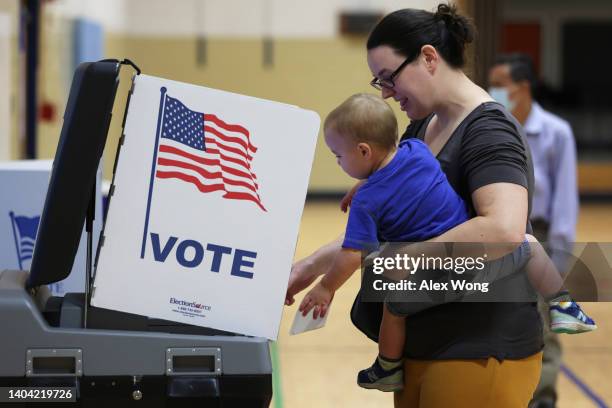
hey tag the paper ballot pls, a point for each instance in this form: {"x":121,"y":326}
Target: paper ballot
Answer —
{"x":302,"y":323}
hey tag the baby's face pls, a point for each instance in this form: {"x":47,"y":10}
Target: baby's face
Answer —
{"x":353,"y":160}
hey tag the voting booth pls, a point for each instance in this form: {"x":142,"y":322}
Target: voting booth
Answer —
{"x":24,"y":186}
{"x":207,"y":199}
{"x":202,"y":223}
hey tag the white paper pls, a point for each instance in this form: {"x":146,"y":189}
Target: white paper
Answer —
{"x":306,"y":323}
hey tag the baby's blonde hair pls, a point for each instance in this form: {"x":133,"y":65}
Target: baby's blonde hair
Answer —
{"x":364,"y":118}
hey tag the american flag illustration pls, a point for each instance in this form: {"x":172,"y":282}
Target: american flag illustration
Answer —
{"x":204,"y":150}
{"x":24,"y":232}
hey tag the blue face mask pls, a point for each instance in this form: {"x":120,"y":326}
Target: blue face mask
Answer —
{"x":501,"y":95}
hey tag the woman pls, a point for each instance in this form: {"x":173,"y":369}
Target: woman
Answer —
{"x":457,"y":354}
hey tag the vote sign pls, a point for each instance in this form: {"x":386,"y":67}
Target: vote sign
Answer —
{"x":203,"y":220}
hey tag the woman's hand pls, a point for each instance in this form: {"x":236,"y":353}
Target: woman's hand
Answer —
{"x":305,"y":271}
{"x":302,"y":275}
{"x":318,"y":298}
{"x":345,"y":203}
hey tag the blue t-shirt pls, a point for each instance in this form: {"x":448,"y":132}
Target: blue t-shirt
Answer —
{"x":408,"y":200}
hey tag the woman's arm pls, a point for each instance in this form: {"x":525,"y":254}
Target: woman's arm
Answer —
{"x":345,"y":203}
{"x":345,"y":263}
{"x":501,"y":218}
{"x":495,"y":167}
{"x":306,"y":270}
{"x":500,"y":222}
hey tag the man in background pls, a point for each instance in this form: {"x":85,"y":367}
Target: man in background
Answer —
{"x":555,"y":199}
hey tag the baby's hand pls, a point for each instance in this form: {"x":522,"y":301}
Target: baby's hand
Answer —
{"x":345,"y":203}
{"x":319,"y":297}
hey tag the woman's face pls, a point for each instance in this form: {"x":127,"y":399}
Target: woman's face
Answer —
{"x":413,"y":87}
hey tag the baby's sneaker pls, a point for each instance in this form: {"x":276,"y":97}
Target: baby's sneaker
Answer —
{"x":377,"y":377}
{"x":567,"y":317}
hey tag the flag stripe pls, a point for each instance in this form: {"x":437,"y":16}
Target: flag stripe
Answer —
{"x":202,"y":160}
{"x":171,"y":161}
{"x":205,"y":181}
{"x":167,"y":148}
{"x":232,"y":128}
{"x":200,"y":170}
{"x":191,"y":156}
{"x":244,"y":196}
{"x":233,"y":139}
{"x":232,"y":160}
{"x":210,"y":140}
{"x":190,"y":179}
{"x":228,"y":150}
{"x":228,"y":139}
{"x":204,"y":173}
{"x":208,"y":188}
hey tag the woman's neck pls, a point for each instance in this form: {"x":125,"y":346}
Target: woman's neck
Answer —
{"x":458,"y":96}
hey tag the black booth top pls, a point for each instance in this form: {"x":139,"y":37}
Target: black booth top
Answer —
{"x":73,"y":177}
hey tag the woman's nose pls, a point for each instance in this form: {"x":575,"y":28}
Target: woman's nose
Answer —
{"x":387,"y":92}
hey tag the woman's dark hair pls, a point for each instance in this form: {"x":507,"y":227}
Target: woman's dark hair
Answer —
{"x":407,"y":30}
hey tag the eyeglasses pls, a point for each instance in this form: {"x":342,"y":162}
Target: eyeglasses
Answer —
{"x":380,"y":83}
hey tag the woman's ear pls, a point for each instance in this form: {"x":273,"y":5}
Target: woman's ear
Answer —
{"x":365,"y":150}
{"x":430,"y":57}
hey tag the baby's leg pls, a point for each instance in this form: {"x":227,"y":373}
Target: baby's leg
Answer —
{"x":541,"y":271}
{"x":392,"y":336}
{"x":386,"y":374}
{"x":566,"y":316}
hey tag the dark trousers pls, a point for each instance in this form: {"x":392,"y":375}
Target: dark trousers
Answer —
{"x":546,"y":390}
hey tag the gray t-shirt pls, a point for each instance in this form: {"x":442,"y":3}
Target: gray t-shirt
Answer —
{"x":488,"y":147}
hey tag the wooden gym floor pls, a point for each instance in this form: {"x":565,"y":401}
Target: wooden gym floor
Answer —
{"x":318,"y":368}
